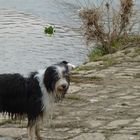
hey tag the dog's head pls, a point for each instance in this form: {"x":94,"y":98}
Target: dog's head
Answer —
{"x":56,"y":79}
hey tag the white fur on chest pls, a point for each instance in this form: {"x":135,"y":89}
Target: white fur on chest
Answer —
{"x":47,"y":98}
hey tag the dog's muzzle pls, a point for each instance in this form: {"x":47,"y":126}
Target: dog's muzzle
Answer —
{"x":61,"y":91}
{"x":62,"y":88}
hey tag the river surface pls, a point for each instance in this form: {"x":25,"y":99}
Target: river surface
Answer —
{"x":23,"y":45}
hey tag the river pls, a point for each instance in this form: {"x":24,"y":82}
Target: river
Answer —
{"x":23,"y":45}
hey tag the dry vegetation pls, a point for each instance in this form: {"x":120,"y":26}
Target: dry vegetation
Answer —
{"x":110,"y":28}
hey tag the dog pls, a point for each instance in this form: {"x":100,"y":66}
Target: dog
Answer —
{"x":32,"y":96}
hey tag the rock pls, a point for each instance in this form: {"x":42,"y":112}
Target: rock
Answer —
{"x":6,"y":138}
{"x":124,"y":137}
{"x":12,"y":132}
{"x":117,"y":123}
{"x":90,"y":136}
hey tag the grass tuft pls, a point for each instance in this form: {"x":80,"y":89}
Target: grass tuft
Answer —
{"x":73,"y":97}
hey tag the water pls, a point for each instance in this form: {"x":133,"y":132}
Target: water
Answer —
{"x":23,"y":45}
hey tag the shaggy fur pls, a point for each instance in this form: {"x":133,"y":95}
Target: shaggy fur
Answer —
{"x":32,"y":96}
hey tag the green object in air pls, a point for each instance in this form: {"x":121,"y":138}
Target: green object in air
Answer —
{"x":49,"y":30}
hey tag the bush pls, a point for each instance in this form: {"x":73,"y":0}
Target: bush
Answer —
{"x":106,"y":25}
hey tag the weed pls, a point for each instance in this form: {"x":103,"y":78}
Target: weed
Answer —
{"x":107,"y":26}
{"x":73,"y":97}
{"x":96,"y":53}
{"x":49,"y":30}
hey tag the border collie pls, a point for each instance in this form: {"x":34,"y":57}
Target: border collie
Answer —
{"x":32,"y":96}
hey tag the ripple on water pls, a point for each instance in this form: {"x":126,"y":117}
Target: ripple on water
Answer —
{"x":24,"y":46}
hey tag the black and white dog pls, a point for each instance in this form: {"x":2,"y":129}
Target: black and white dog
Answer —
{"x":33,"y":95}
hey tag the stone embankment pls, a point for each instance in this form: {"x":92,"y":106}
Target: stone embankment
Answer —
{"x":103,"y":103}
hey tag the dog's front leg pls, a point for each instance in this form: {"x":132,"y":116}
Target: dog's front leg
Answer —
{"x":39,"y":123}
{"x":37,"y":132}
{"x":31,"y":132}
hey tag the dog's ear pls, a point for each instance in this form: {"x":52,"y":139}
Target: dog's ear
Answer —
{"x":64,"y":62}
{"x":69,"y":65}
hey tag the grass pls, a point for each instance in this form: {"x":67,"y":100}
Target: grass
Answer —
{"x":109,"y":61}
{"x":96,"y":54}
{"x":122,"y":43}
{"x":73,"y":97}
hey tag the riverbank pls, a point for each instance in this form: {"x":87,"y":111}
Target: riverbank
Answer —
{"x":103,"y":103}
